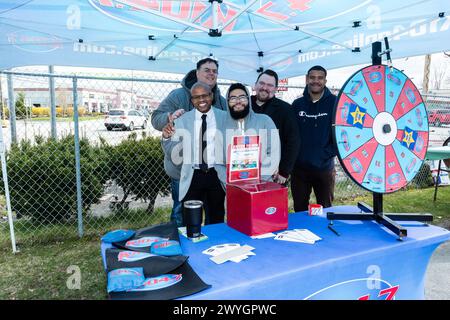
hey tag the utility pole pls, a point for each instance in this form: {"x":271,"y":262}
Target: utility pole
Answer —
{"x":52,"y":103}
{"x":426,"y":74}
{"x":1,"y":100}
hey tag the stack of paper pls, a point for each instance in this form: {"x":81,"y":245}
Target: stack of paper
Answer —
{"x":229,"y":251}
{"x":264,"y":236}
{"x":298,"y":235}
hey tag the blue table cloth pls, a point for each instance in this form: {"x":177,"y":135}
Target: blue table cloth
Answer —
{"x":366,"y":261}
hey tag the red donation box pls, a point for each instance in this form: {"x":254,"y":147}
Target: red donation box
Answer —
{"x":254,"y":207}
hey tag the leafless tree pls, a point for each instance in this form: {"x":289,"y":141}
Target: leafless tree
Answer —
{"x":439,"y":73}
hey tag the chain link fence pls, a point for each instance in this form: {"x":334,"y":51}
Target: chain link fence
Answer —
{"x":73,"y":171}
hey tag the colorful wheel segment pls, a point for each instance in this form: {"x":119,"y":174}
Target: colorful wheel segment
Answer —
{"x":380,"y":129}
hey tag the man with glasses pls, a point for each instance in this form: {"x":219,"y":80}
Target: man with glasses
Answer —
{"x":198,"y":134}
{"x":314,"y":168}
{"x":241,"y":120}
{"x":282,"y":114}
{"x":174,"y":105}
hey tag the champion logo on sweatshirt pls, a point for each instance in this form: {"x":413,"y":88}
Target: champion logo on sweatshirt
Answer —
{"x":315,"y":116}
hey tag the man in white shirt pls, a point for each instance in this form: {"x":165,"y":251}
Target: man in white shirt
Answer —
{"x":201,"y":153}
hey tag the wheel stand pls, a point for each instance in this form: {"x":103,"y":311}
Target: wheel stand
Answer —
{"x":385,"y":219}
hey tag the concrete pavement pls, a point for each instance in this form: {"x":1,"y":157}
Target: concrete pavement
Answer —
{"x":437,"y":279}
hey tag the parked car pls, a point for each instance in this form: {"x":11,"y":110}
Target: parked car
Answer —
{"x":125,"y":119}
{"x":146,"y":113}
{"x":439,"y":117}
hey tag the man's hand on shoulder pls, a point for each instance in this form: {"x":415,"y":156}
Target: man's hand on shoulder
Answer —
{"x":176,"y":114}
{"x":168,"y":131}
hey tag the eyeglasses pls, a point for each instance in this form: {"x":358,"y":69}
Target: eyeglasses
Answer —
{"x":208,"y":70}
{"x":201,"y":97}
{"x":269,"y":85}
{"x":236,"y":99}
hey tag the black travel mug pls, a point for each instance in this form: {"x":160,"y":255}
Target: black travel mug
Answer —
{"x":193,"y":217}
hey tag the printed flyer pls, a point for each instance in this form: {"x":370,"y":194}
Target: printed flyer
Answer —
{"x":244,"y":158}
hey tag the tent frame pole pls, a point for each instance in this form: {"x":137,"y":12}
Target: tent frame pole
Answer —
{"x":242,"y":10}
{"x":159,"y":14}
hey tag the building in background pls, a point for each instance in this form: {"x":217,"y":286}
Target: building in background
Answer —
{"x":93,"y":100}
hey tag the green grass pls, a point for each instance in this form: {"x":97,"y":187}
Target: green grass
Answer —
{"x":40,"y":269}
{"x":28,"y":233}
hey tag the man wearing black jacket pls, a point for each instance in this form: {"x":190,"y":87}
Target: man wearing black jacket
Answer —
{"x":314,"y":168}
{"x":264,"y":101}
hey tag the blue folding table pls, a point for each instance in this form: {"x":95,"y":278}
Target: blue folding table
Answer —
{"x":365,"y":261}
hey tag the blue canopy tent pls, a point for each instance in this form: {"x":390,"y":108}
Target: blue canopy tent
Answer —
{"x":246,"y":37}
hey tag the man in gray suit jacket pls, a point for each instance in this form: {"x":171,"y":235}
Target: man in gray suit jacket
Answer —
{"x":174,"y":105}
{"x":201,"y":152}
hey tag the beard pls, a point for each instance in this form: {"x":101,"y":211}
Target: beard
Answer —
{"x":264,"y":96}
{"x":236,"y":115}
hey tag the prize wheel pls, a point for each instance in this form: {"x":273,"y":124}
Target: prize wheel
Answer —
{"x":380,"y":128}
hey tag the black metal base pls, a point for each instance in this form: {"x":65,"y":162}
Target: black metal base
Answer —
{"x":386,"y":219}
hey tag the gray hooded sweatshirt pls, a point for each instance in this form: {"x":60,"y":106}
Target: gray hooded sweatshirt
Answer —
{"x":254,"y":124}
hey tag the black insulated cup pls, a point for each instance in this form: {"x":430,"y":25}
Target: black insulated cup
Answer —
{"x":193,"y":217}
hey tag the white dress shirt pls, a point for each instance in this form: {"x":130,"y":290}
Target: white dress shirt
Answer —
{"x":210,"y":137}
